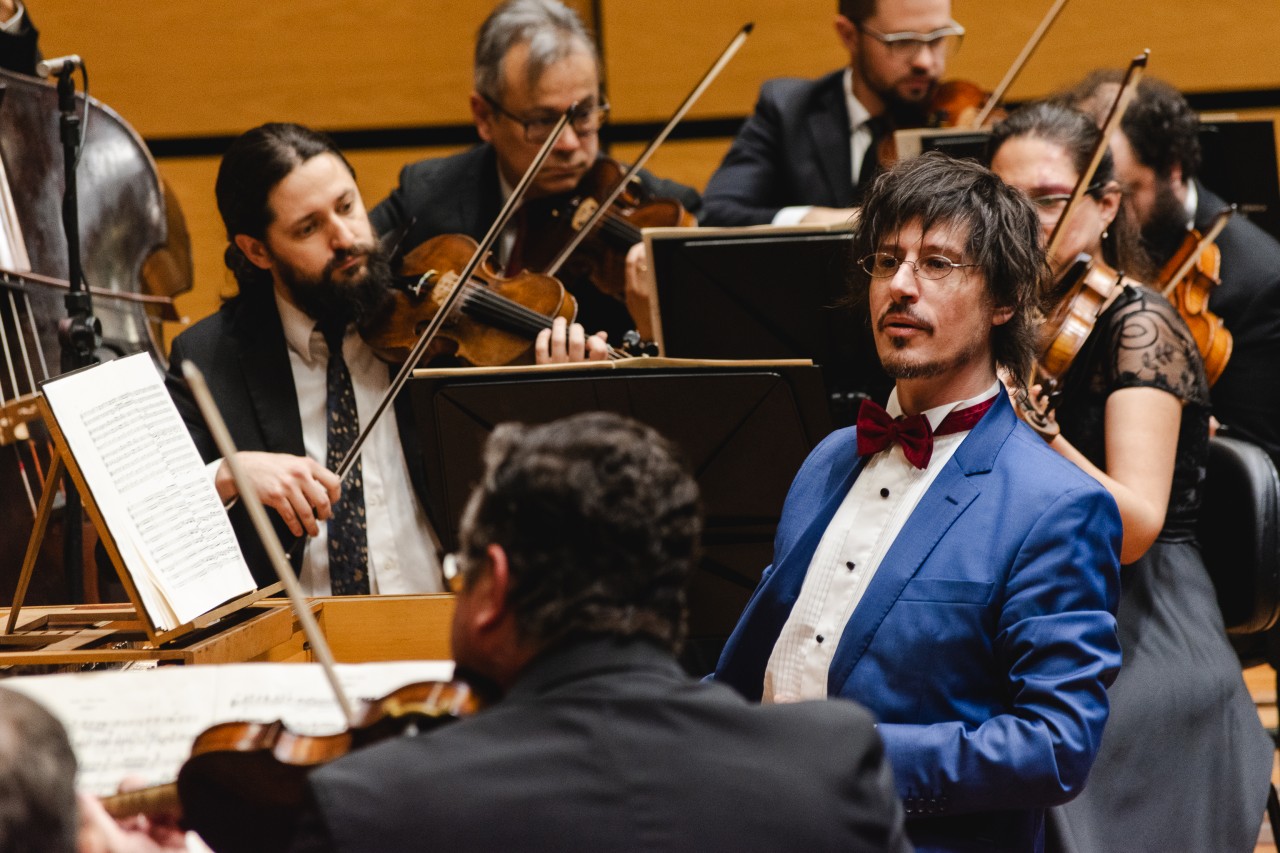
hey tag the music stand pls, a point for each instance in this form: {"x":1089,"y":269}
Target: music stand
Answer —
{"x":744,"y":431}
{"x":1238,"y":162}
{"x":766,"y":293}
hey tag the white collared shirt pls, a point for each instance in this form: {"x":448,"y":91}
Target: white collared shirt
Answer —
{"x":882,"y":498}
{"x":402,"y":553}
{"x":859,"y":142}
{"x":15,"y":23}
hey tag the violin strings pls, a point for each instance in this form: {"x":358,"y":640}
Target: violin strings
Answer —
{"x":482,"y":302}
{"x":8,"y":353}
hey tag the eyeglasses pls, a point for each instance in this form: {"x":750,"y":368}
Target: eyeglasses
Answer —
{"x":931,"y":267}
{"x":1052,"y":205}
{"x":943,"y":41}
{"x":585,"y":120}
{"x":451,"y":568}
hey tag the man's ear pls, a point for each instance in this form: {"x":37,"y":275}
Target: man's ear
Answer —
{"x":482,"y":115}
{"x":1002,"y":315}
{"x":255,"y":250}
{"x":847,"y":32}
{"x":489,"y":587}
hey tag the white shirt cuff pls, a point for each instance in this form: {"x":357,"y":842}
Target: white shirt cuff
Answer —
{"x":792,"y":215}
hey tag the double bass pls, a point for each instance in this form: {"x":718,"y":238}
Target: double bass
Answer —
{"x":136,"y":257}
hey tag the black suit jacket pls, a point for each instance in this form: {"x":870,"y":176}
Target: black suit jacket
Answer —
{"x":1246,"y":398}
{"x":20,"y":51}
{"x":461,"y":195}
{"x":609,"y":746}
{"x":241,"y":351}
{"x":793,"y":150}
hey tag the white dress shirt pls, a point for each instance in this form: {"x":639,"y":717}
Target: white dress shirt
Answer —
{"x":861,"y":532}
{"x":402,"y":553}
{"x":859,"y":142}
{"x":13,"y":24}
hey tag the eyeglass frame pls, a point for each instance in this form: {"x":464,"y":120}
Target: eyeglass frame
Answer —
{"x":601,"y":111}
{"x":915,"y":265}
{"x":1095,"y":189}
{"x":915,"y":41}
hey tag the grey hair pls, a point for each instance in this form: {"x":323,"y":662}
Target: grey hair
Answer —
{"x":551,"y":29}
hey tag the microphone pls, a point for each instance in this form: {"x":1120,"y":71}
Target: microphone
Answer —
{"x":58,"y":65}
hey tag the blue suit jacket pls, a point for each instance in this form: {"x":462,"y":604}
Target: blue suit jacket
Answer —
{"x":985,"y":641}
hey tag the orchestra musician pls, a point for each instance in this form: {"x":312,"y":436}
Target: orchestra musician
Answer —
{"x":309,"y":269}
{"x":534,"y":59}
{"x":809,"y":150}
{"x":1158,"y":157}
{"x":576,"y":547}
{"x":1133,"y":414}
{"x":19,"y":38}
{"x":938,"y":562}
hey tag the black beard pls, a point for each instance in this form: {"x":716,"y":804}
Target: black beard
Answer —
{"x":1166,"y":226}
{"x":329,"y":301}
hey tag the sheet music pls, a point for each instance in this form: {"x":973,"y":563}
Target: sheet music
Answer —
{"x":149,"y":482}
{"x":143,"y":722}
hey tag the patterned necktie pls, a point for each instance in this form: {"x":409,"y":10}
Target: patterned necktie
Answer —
{"x":877,"y":431}
{"x":348,"y":535}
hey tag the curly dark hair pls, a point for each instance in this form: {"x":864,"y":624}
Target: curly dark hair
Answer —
{"x":1160,"y":125}
{"x":256,"y":161}
{"x":600,"y":522}
{"x":1004,"y":238}
{"x":1078,"y":135}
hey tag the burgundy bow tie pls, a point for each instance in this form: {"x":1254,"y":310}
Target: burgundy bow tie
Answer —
{"x":877,"y":430}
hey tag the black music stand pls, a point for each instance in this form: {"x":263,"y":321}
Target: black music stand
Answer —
{"x":744,"y":431}
{"x":1238,"y":162}
{"x":766,"y":293}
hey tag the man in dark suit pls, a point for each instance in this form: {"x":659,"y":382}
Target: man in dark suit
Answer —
{"x":809,"y":150}
{"x":947,"y":568}
{"x":534,"y":60}
{"x":1157,"y":157}
{"x":295,"y":379}
{"x":576,"y":548}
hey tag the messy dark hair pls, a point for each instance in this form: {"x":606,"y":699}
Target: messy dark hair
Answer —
{"x":1003,"y":238}
{"x":600,"y":523}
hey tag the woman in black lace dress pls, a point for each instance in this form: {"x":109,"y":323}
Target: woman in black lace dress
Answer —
{"x":1184,"y":762}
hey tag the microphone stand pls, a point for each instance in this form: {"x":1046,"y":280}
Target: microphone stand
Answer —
{"x":79,"y":332}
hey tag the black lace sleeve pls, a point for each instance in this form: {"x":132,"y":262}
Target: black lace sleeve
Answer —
{"x":1151,"y":347}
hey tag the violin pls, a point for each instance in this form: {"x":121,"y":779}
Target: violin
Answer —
{"x":1187,"y":280}
{"x":497,"y":319}
{"x":244,"y":785}
{"x":1088,"y":288}
{"x":601,"y":257}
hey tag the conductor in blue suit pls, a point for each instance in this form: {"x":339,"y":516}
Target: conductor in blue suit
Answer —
{"x":938,"y":562}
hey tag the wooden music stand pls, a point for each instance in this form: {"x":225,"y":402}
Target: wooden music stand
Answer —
{"x":120,"y":632}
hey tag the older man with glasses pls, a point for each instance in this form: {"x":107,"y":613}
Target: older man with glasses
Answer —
{"x":534,"y":60}
{"x":811,"y":147}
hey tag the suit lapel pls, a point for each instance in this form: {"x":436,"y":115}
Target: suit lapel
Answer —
{"x":951,"y":493}
{"x":829,"y":128}
{"x":264,"y":364}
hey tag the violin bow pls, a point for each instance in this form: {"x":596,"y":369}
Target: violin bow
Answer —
{"x":735,"y":44}
{"x":1015,"y":69}
{"x":275,"y":551}
{"x":1215,"y":228}
{"x":1127,"y":90}
{"x":446,"y":307}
